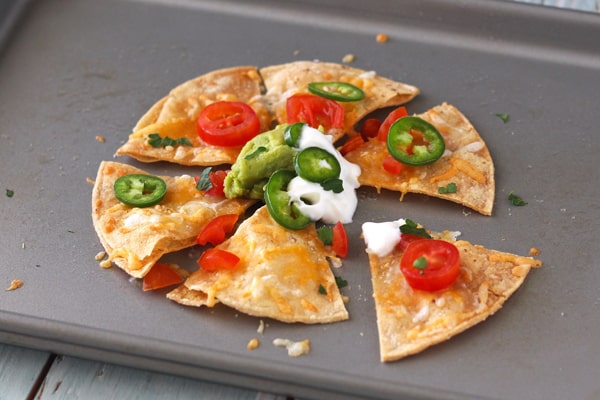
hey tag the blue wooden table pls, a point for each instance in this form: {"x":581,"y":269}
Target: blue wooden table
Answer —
{"x":33,"y":374}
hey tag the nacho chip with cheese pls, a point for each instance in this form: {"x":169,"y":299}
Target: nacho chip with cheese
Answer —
{"x":282,"y":274}
{"x":175,"y":117}
{"x":135,"y":238}
{"x":411,"y":320}
{"x":283,"y":81}
{"x":466,"y":163}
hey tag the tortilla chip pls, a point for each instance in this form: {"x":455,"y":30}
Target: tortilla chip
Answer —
{"x":175,"y":116}
{"x":466,"y":162}
{"x":411,"y":320}
{"x":135,"y":238}
{"x":285,"y":80}
{"x":282,"y":274}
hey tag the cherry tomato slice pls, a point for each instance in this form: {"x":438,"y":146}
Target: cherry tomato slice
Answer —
{"x":160,"y":276}
{"x":430,"y":264}
{"x":339,"y":242}
{"x":217,"y":183}
{"x":351,"y":145}
{"x":215,"y":259}
{"x":315,"y":111}
{"x":407,"y":238}
{"x":217,"y":229}
{"x":392,"y":117}
{"x":227,"y":123}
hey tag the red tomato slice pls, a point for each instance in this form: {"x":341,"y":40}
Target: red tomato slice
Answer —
{"x":407,"y":238}
{"x":339,"y":243}
{"x":442,"y":264}
{"x":370,"y":128}
{"x":227,"y":123}
{"x":352,"y":144}
{"x":393,"y":166}
{"x":392,"y":117}
{"x":160,"y":276}
{"x":315,"y":111}
{"x":217,"y":179}
{"x":215,"y":231}
{"x":216,"y":259}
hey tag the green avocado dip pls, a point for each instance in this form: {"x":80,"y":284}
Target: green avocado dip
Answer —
{"x":258,"y":160}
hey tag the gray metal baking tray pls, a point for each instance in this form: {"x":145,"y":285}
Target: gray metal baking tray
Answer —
{"x":74,"y":69}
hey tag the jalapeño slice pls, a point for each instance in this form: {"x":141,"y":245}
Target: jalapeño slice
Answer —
{"x":414,"y":141}
{"x":339,"y":91}
{"x":316,"y":165}
{"x":292,"y":134}
{"x":283,"y":211}
{"x":138,"y":190}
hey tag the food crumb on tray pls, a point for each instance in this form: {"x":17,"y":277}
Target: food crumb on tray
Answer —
{"x":15,"y":284}
{"x":253,"y":344}
{"x":295,"y":349}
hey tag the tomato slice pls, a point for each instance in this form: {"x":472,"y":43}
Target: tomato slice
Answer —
{"x":160,"y":276}
{"x":393,"y":166}
{"x":392,"y":117}
{"x":217,"y":183}
{"x":430,"y":264}
{"x":352,"y":144}
{"x":407,"y":238}
{"x":215,"y":231}
{"x":339,"y":242}
{"x":215,"y":259}
{"x":227,"y":123}
{"x":370,"y":128}
{"x":315,"y":111}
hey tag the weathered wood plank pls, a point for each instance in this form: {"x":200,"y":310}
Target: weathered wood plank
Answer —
{"x":19,"y":370}
{"x":73,"y":378}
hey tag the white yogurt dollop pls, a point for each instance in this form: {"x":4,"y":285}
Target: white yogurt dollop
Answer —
{"x":382,"y":237}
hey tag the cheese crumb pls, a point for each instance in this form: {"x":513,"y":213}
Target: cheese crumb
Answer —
{"x":294,"y":349}
{"x":381,"y":38}
{"x":100,"y":256}
{"x":100,"y":139}
{"x":348,"y":58}
{"x":15,"y":284}
{"x":534,"y":251}
{"x":106,"y":264}
{"x":261,"y":327}
{"x":253,"y":344}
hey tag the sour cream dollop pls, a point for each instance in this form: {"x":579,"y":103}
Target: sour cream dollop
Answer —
{"x":382,"y":237}
{"x":314,"y":201}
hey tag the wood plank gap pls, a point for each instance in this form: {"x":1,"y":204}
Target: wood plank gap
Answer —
{"x":39,"y":382}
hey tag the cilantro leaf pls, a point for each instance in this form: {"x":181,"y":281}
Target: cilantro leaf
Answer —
{"x":448,"y":189}
{"x":10,"y":193}
{"x":156,"y":141}
{"x":504,"y":117}
{"x":322,"y":289}
{"x":204,"y":182}
{"x":260,"y":149}
{"x":516,"y":200}
{"x":336,"y":185}
{"x":411,"y":228}
{"x":340,"y":282}
{"x":326,"y":235}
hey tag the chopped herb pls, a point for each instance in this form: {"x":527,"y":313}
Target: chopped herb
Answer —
{"x":411,"y":228}
{"x":204,"y":182}
{"x":260,"y":149}
{"x":336,"y":185}
{"x":326,"y":235}
{"x":10,"y":193}
{"x":504,"y":117}
{"x":516,"y":200}
{"x":322,"y":289}
{"x":448,"y":189}
{"x":156,"y":141}
{"x":420,"y":264}
{"x":340,"y":282}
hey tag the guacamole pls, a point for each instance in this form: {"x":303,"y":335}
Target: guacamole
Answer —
{"x":259,"y":158}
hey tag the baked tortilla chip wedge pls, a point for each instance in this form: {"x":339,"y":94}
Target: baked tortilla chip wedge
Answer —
{"x":282,"y":274}
{"x":411,"y":320}
{"x":135,"y":238}
{"x":285,"y":80}
{"x":466,"y":163}
{"x":175,"y":116}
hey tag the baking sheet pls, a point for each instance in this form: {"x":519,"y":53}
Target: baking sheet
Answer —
{"x":74,"y":69}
